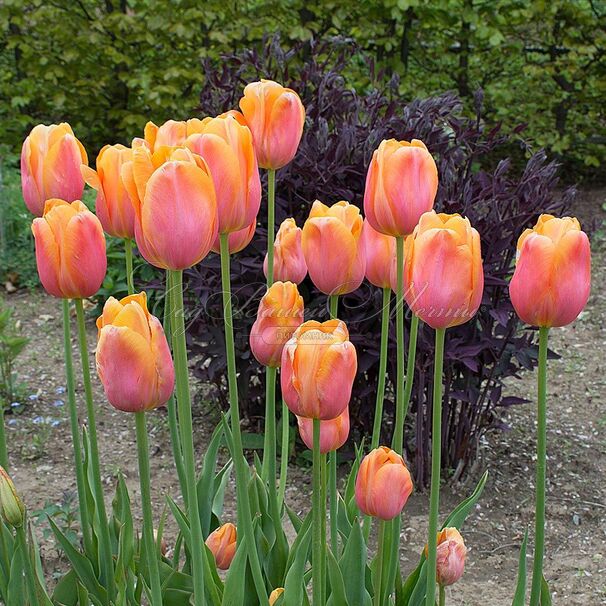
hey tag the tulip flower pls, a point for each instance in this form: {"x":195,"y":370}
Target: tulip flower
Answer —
{"x":133,"y":356}
{"x":401,"y":185}
{"x":333,"y":247}
{"x":552,"y":278}
{"x":275,"y":116}
{"x":222,"y":544}
{"x":380,"y":253}
{"x":274,"y":595}
{"x":172,"y":133}
{"x":443,"y":273}
{"x":227,"y":148}
{"x":11,"y":505}
{"x":451,"y":557}
{"x":383,"y":484}
{"x":318,"y":368}
{"x":280,"y":314}
{"x":289,"y":262}
{"x":50,"y":166}
{"x":70,"y":250}
{"x":175,"y":206}
{"x":113,"y":205}
{"x":237,"y":240}
{"x":333,"y":432}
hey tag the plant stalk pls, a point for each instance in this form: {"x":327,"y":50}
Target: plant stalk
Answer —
{"x":3,"y":449}
{"x":130,"y":278}
{"x":442,"y":595}
{"x":319,"y":527}
{"x":410,"y":363}
{"x":378,"y":594}
{"x":271,"y":228}
{"x":398,"y":434}
{"x":284,"y":451}
{"x":30,"y":579}
{"x":376,"y":429}
{"x":268,"y":471}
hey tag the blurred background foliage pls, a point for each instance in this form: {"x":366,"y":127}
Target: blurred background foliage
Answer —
{"x":108,"y":66}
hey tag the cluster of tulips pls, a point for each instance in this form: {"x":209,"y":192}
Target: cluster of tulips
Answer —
{"x":186,"y":189}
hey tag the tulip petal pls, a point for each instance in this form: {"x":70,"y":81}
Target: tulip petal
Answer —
{"x":61,"y":176}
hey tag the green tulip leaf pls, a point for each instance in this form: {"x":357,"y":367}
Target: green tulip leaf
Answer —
{"x":519,"y":598}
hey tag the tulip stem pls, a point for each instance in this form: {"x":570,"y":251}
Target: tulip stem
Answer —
{"x":187,"y":438}
{"x":410,"y":362}
{"x":243,"y":503}
{"x":107,"y":565}
{"x":3,"y":449}
{"x":398,"y":434}
{"x":319,"y":527}
{"x":284,"y":451}
{"x":130,"y":278}
{"x":442,"y":595}
{"x":333,"y":305}
{"x":149,"y":546}
{"x":436,"y":454}
{"x":332,"y":460}
{"x":271,"y":204}
{"x":539,"y":540}
{"x":378,"y":593}
{"x":30,"y":580}
{"x":268,"y":471}
{"x":75,"y":430}
{"x":376,"y":429}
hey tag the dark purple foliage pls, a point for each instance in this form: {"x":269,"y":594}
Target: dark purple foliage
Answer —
{"x":343,"y":128}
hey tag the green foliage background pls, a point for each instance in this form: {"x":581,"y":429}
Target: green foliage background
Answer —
{"x":107,"y":66}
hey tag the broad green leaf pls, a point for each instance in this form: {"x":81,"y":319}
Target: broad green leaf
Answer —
{"x":545,"y":593}
{"x":519,"y":598}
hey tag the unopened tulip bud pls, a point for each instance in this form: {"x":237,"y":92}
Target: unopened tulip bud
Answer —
{"x":443,"y":274}
{"x":222,"y":544}
{"x":380,"y":253}
{"x":383,"y":484}
{"x":552,"y":280}
{"x":319,"y":365}
{"x":289,"y":262}
{"x":333,"y":433}
{"x":450,"y":556}
{"x":163,"y":544}
{"x":333,"y":247}
{"x":236,"y":240}
{"x":274,"y":595}
{"x":70,"y":250}
{"x":280,"y":314}
{"x":11,"y":506}
{"x":401,"y":185}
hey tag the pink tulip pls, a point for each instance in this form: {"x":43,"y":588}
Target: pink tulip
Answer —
{"x":333,"y":433}
{"x":289,"y":262}
{"x":236,"y":240}
{"x":380,"y":253}
{"x":450,"y":556}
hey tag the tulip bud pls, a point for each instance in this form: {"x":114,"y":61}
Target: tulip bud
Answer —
{"x":280,"y":314}
{"x":113,"y":205}
{"x":289,"y":262}
{"x":333,"y":433}
{"x":380,"y":253}
{"x":236,"y":240}
{"x":227,"y":148}
{"x":333,"y":247}
{"x":319,"y":365}
{"x":383,"y":484}
{"x":133,"y":357}
{"x":275,"y":116}
{"x":401,"y":185}
{"x":450,"y":556}
{"x":443,"y":274}
{"x":552,"y":278}
{"x":274,"y":595}
{"x":163,"y":543}
{"x":50,"y":166}
{"x":172,"y":133}
{"x":70,"y":250}
{"x":11,"y":506}
{"x":222,"y":543}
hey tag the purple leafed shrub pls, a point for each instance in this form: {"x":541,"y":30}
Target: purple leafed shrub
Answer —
{"x":343,"y":128}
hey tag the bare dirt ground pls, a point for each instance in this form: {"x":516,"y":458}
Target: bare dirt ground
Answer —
{"x":41,"y":455}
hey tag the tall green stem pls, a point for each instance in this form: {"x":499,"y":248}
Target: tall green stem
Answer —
{"x":398,"y":434}
{"x":244,"y":511}
{"x":284,"y":452}
{"x":376,"y":429}
{"x":75,"y":430}
{"x":436,"y":455}
{"x":319,"y":527}
{"x":539,"y":540}
{"x":107,"y":566}
{"x":148,"y":520}
{"x":378,"y":593}
{"x":271,"y":228}
{"x":187,"y":438}
{"x":442,"y":595}
{"x":268,"y":472}
{"x":130,"y":278}
{"x":332,"y":463}
{"x":410,"y":363}
{"x":3,"y":449}
{"x":30,"y":579}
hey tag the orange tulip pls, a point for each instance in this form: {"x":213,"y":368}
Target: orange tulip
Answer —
{"x":380,"y":253}
{"x":319,"y":365}
{"x":552,"y":279}
{"x":70,"y":250}
{"x":383,"y":484}
{"x":175,"y":205}
{"x":280,"y":314}
{"x":289,"y":262}
{"x":222,"y":544}
{"x":275,"y":116}
{"x":333,"y":247}
{"x":450,"y":556}
{"x":227,"y":148}
{"x":274,"y":595}
{"x":172,"y":133}
{"x":443,"y":275}
{"x":333,"y":433}
{"x":113,"y":205}
{"x":236,"y":240}
{"x":133,"y":357}
{"x":50,"y":166}
{"x":401,"y":185}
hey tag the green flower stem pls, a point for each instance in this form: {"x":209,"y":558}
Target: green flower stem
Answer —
{"x":376,"y":429}
{"x":539,"y":540}
{"x":75,"y":429}
{"x":268,"y":471}
{"x":128,"y":250}
{"x":333,"y":302}
{"x":271,"y":228}
{"x":378,"y":593}
{"x":187,"y":438}
{"x":173,"y":422}
{"x":319,"y":527}
{"x":323,"y":510}
{"x":410,"y":363}
{"x":244,"y":511}
{"x":284,"y":451}
{"x":148,"y":520}
{"x":398,"y":434}
{"x":436,"y":455}
{"x":107,"y":565}
{"x":3,"y":449}
{"x":30,"y":579}
{"x":442,"y":595}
